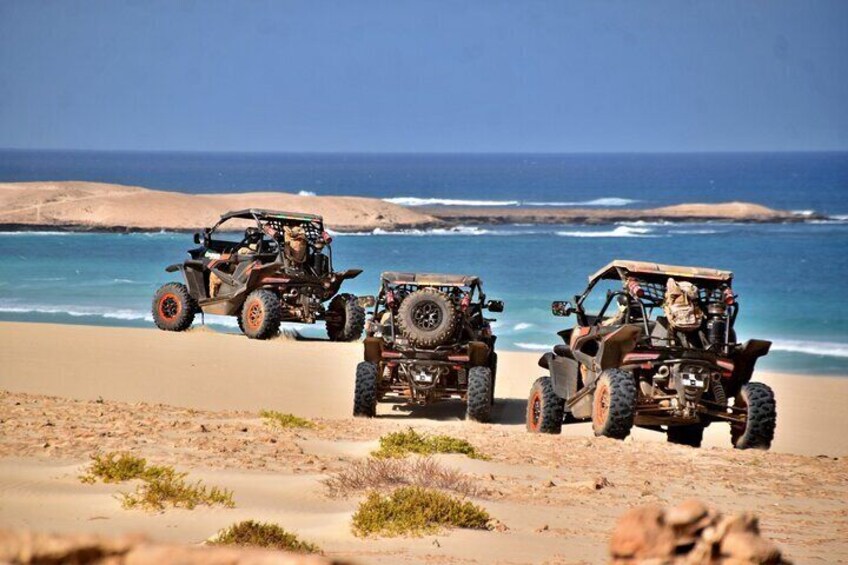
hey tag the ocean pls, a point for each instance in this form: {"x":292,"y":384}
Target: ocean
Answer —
{"x":790,"y":277}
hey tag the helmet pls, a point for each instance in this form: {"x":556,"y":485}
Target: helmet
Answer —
{"x":252,"y":235}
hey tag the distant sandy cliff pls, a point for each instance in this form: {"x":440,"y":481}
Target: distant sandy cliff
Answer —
{"x":92,"y":206}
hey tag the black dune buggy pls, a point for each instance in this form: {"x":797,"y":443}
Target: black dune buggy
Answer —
{"x":281,"y":270}
{"x":427,"y":340}
{"x":660,"y":354}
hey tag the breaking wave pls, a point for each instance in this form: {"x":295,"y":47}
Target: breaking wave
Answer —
{"x":124,"y":314}
{"x":415,"y":201}
{"x":457,"y":230}
{"x":306,"y":193}
{"x":821,"y":348}
{"x":595,"y":202}
{"x":620,"y":231}
{"x":532,"y":346}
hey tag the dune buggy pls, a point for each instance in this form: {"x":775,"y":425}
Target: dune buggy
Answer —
{"x":428,"y":339}
{"x":660,"y":354}
{"x":281,"y":270}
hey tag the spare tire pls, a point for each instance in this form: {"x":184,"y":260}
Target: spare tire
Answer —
{"x":427,"y":318}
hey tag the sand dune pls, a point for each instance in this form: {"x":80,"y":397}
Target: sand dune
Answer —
{"x":87,"y":205}
{"x":192,"y":400}
{"x":98,"y":206}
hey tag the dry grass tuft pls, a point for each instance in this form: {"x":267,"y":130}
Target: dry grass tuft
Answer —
{"x":377,"y":474}
{"x":257,"y":534}
{"x":282,"y":420}
{"x":415,"y":511}
{"x":401,"y":444}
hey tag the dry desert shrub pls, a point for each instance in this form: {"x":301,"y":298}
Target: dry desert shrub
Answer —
{"x":416,"y":511}
{"x":380,"y":474}
{"x":258,"y":534}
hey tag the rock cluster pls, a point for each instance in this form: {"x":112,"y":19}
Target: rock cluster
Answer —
{"x":690,"y":533}
{"x":82,"y":549}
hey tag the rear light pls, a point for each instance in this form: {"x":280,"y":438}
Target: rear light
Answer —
{"x":465,"y":302}
{"x":639,"y":357}
{"x":391,"y":354}
{"x":459,"y":358}
{"x":328,"y":239}
{"x":729,"y":299}
{"x":728,"y":366}
{"x":634,"y":288}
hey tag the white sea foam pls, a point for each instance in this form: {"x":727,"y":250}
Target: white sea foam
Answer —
{"x":306,"y":193}
{"x":532,"y":346}
{"x":803,"y":212}
{"x":413,"y":201}
{"x":457,"y":230}
{"x":611,"y":201}
{"x":694,"y":232}
{"x":823,"y":348}
{"x":620,"y":231}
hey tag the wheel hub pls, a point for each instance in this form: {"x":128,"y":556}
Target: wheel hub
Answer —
{"x":169,"y":307}
{"x":427,"y":316}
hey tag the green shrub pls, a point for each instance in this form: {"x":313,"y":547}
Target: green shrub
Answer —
{"x":257,"y":534}
{"x":117,"y":467}
{"x":274,"y":418}
{"x":415,"y":510}
{"x":161,"y":485}
{"x":401,"y":444}
{"x":172,"y":489}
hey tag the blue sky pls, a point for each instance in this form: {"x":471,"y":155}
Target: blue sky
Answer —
{"x":434,"y":76}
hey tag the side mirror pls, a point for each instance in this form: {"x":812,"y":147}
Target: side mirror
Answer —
{"x":562,"y":308}
{"x":495,"y":306}
{"x":197,"y":238}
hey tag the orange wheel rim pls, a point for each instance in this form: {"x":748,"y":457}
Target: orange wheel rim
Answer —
{"x":600,"y":410}
{"x":534,"y":411}
{"x":169,"y":306}
{"x":255,"y":315}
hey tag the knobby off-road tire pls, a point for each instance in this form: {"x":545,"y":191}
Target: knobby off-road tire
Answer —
{"x":614,"y":404}
{"x":365,"y":391}
{"x":758,"y":431}
{"x":427,"y":318}
{"x":691,"y":435}
{"x":261,"y":314}
{"x":479,"y":404}
{"x":544,"y":408}
{"x":173,"y":307}
{"x":350,"y":318}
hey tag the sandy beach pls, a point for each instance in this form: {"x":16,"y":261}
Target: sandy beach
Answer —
{"x":192,"y":400}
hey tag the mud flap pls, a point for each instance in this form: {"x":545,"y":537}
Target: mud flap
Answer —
{"x":478,"y":354}
{"x":564,"y":373}
{"x":373,"y":349}
{"x":744,"y":361}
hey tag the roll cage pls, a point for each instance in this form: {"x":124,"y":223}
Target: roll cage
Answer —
{"x":643,"y":291}
{"x":271,"y":225}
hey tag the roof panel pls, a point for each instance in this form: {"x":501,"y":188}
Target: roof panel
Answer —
{"x":431,"y":279}
{"x":610,"y":271}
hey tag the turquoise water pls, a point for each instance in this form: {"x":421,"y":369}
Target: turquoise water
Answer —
{"x":789,"y":277}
